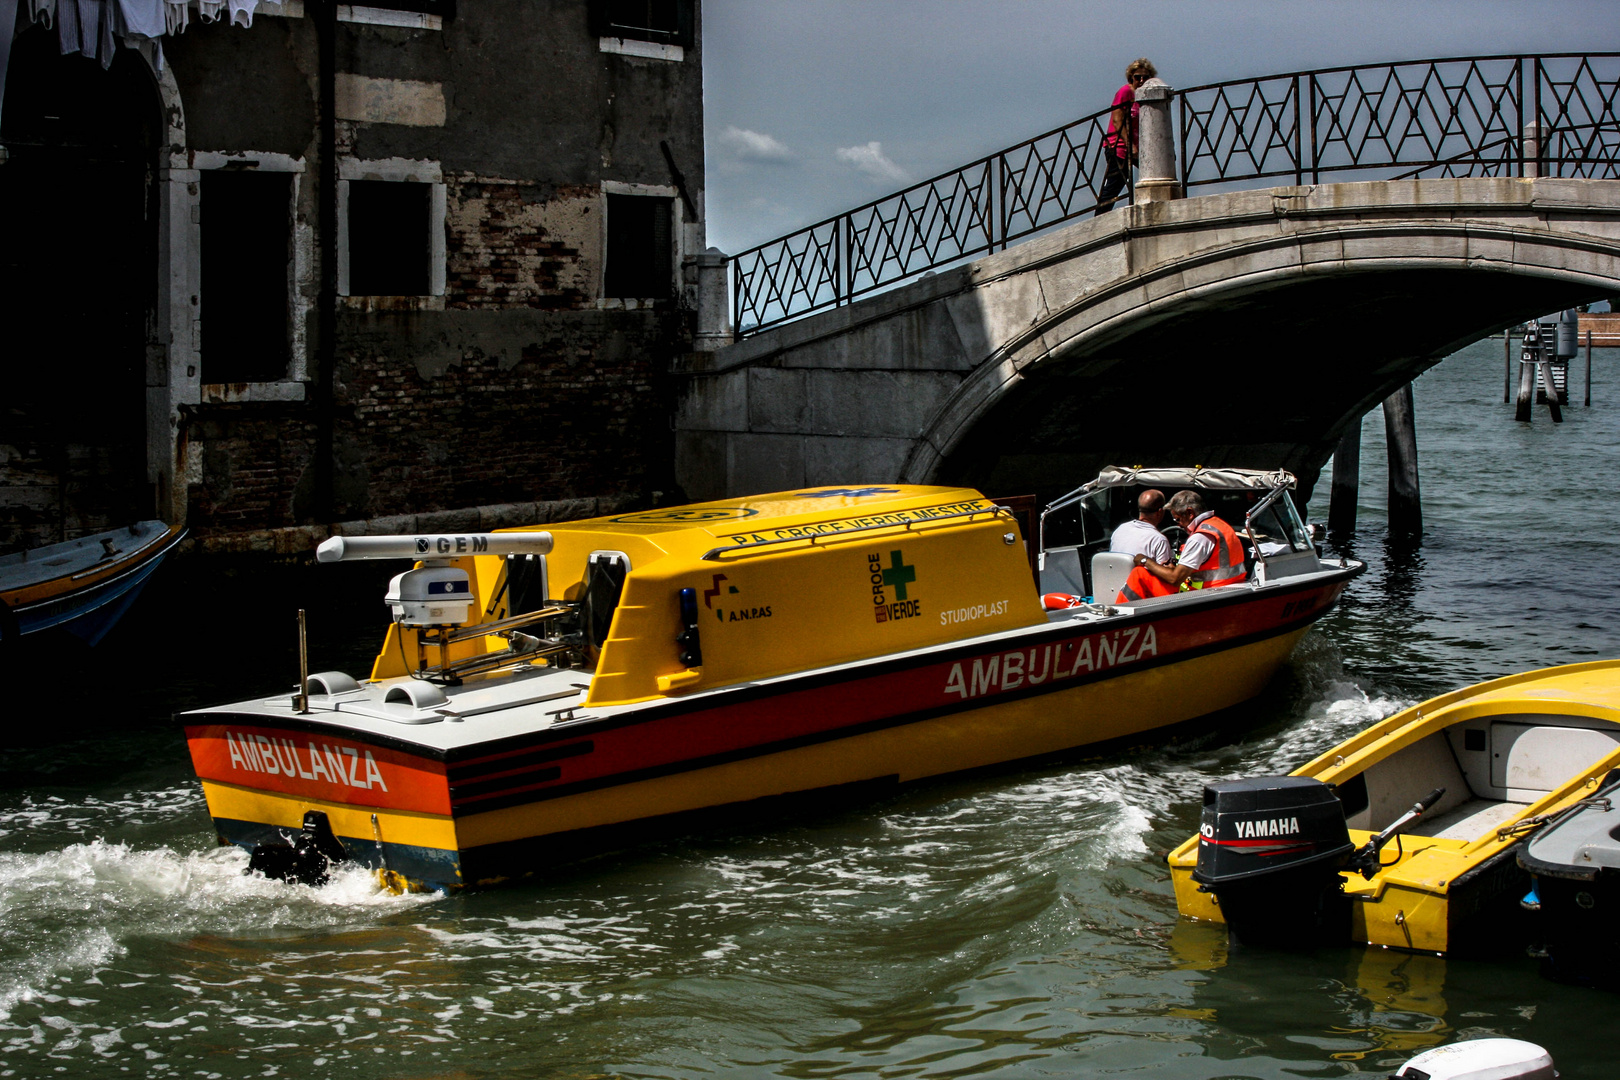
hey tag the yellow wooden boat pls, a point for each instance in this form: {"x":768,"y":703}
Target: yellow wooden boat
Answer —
{"x":541,"y":692}
{"x":1406,"y":834}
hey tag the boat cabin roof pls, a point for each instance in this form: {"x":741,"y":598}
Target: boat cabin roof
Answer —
{"x":695,"y":530}
{"x":1202,"y":479}
{"x":1231,"y":493}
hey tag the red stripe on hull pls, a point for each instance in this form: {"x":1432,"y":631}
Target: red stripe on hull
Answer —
{"x":664,"y":741}
{"x":332,"y":768}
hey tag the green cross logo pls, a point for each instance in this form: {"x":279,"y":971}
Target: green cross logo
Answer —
{"x":899,"y":575}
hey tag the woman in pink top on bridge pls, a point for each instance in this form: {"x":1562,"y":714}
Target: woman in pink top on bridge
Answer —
{"x":1119,"y":148}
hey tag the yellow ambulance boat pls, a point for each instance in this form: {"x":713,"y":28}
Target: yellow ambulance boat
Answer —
{"x":542,"y":693}
{"x":1406,"y":835}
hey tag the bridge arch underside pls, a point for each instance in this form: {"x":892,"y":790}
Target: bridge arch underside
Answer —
{"x":1260,"y":375}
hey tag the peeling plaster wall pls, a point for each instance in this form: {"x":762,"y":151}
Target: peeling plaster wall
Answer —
{"x":516,"y":243}
{"x":513,"y":386}
{"x":247,"y":90}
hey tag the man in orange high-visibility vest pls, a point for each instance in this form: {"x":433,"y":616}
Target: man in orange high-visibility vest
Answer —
{"x":1211,"y":557}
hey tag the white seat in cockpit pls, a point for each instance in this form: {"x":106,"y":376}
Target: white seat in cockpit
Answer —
{"x":1109,"y":569}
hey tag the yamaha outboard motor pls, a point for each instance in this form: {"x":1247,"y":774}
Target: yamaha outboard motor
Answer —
{"x":1270,"y":848}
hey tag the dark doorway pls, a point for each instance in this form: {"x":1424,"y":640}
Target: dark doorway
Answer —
{"x":77,"y":283}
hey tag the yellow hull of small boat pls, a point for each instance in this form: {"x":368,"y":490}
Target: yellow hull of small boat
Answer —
{"x":1430,"y":886}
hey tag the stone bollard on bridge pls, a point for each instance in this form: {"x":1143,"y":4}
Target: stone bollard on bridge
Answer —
{"x":713,"y":301}
{"x":1156,"y":144}
{"x":1532,"y":147}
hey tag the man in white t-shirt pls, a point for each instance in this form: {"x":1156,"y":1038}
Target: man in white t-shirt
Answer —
{"x":1142,"y":536}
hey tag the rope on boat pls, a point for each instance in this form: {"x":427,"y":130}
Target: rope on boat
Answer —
{"x":1530,"y":824}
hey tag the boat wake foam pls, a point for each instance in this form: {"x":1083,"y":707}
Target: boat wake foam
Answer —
{"x":1325,"y":706}
{"x":1094,"y":804}
{"x":1344,"y":708}
{"x":45,"y":898}
{"x":51,"y":817}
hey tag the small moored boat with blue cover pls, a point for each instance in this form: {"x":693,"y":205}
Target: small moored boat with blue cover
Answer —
{"x":82,"y":586}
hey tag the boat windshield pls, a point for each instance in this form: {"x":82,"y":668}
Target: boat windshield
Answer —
{"x":1093,"y":521}
{"x":1096,"y":516}
{"x":1278,"y":528}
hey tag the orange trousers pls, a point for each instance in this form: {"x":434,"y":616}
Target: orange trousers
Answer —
{"x":1142,"y":585}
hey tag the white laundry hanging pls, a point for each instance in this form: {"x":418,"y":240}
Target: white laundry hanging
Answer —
{"x":144,"y":17}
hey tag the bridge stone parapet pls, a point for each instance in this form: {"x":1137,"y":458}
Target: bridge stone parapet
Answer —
{"x":1242,"y":328}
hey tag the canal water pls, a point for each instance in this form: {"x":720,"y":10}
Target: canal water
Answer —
{"x":1018,"y":925}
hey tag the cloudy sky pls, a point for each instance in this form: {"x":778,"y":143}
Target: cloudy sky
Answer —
{"x":815,"y":106}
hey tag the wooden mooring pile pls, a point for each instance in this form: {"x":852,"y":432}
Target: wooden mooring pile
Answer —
{"x":1546,"y":349}
{"x":1405,"y":502}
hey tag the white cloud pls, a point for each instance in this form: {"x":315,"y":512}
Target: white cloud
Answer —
{"x":746,"y":145}
{"x":871,"y":160}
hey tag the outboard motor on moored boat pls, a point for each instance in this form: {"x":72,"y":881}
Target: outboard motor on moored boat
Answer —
{"x":1270,"y":848}
{"x":1481,"y":1059}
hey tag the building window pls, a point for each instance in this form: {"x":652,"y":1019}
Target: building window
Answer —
{"x":640,"y":248}
{"x":390,"y":248}
{"x":668,"y":22}
{"x":246,"y":225}
{"x":391,"y":240}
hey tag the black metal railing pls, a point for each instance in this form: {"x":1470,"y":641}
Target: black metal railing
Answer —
{"x":1463,"y":116}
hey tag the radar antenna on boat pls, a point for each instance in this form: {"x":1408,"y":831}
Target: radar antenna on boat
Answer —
{"x":433,"y":599}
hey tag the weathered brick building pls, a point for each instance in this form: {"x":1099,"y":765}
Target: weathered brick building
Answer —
{"x":347,"y":262}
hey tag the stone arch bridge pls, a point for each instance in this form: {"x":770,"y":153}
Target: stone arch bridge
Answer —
{"x":1243,"y":327}
{"x":1247,"y":328}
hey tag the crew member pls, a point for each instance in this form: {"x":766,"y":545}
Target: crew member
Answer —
{"x":1143,"y":539}
{"x":1211,"y":557}
{"x":1141,"y":535}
